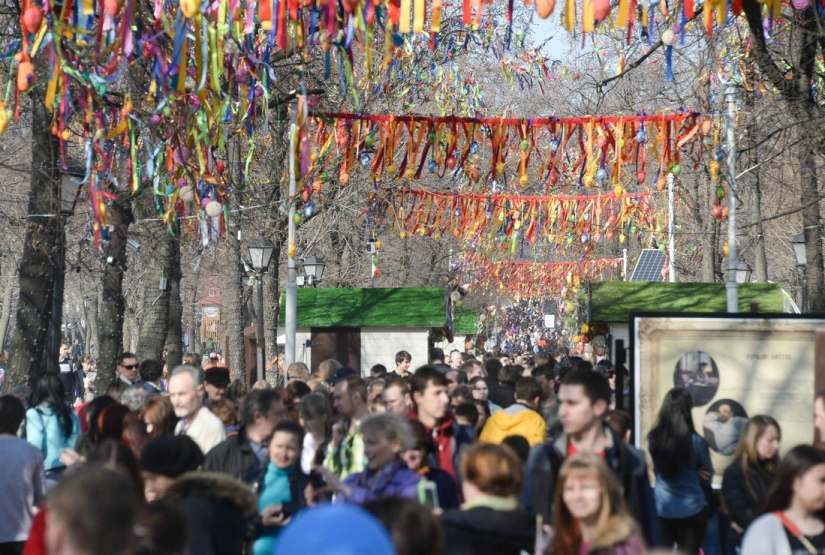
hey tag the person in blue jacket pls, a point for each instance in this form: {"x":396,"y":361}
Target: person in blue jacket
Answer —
{"x":386,"y":436}
{"x":51,"y":425}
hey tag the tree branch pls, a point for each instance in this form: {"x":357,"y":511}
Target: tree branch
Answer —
{"x":639,"y":61}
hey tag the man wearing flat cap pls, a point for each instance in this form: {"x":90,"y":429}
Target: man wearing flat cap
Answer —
{"x":216,"y":380}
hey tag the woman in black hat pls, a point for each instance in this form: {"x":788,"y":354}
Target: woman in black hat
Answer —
{"x":216,"y":506}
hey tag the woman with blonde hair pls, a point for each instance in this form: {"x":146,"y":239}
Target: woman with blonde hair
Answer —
{"x":749,"y":476}
{"x":591,"y":517}
{"x":386,"y":436}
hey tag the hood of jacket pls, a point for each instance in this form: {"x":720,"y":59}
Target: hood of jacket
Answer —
{"x":215,"y":486}
{"x":512,"y":418}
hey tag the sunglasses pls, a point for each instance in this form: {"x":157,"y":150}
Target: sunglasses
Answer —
{"x":129,"y":367}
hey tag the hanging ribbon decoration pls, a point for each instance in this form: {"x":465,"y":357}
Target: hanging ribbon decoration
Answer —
{"x":551,"y":151}
{"x":532,"y":280}
{"x":560,"y":220}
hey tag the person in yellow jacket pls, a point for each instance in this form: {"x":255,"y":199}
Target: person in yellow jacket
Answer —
{"x":520,"y":418}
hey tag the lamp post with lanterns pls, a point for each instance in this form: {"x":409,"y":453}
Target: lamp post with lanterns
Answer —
{"x":798,"y":243}
{"x":260,"y":254}
{"x":314,"y":270}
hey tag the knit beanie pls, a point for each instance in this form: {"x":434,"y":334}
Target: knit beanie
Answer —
{"x":171,"y":456}
{"x":334,"y":530}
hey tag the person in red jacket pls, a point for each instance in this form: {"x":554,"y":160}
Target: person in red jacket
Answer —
{"x":431,"y":406}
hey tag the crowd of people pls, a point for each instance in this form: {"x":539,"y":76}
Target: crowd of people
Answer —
{"x":510,"y":454}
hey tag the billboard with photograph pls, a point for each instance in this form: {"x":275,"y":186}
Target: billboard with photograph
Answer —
{"x":735,"y":367}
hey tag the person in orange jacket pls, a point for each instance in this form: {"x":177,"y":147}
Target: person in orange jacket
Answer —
{"x":519,"y":419}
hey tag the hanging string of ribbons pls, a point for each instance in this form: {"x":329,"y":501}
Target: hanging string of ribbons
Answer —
{"x":590,"y":151}
{"x":528,"y":280}
{"x":553,"y":219}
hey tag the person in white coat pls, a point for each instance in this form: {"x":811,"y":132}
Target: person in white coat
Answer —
{"x":792,"y":523}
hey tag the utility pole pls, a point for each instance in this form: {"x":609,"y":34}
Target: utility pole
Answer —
{"x":732,"y":285}
{"x":292,"y":273}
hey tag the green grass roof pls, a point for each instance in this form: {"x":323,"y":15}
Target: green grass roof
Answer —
{"x":404,"y":307}
{"x":613,"y":301}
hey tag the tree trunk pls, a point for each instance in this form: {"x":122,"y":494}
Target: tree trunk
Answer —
{"x":174,"y":337}
{"x":811,"y":227}
{"x":37,"y":265}
{"x":272,"y":306}
{"x":154,"y":326}
{"x":706,"y":192}
{"x":193,"y":311}
{"x":90,"y":307}
{"x":232,"y":286}
{"x":112,"y":306}
{"x":8,"y":300}
{"x":761,"y":259}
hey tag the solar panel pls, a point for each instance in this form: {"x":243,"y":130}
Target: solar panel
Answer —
{"x":649,"y":266}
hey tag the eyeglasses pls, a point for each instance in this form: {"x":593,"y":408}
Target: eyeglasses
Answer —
{"x":129,"y":367}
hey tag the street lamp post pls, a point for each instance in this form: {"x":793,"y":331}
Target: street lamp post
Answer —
{"x":314,"y":269}
{"x":743,"y":271}
{"x":260,"y":253}
{"x":69,"y":190}
{"x":732,"y":285}
{"x":798,"y":243}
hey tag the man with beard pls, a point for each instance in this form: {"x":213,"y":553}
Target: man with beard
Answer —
{"x":725,"y":427}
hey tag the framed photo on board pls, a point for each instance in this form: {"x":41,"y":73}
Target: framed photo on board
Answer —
{"x":735,"y":366}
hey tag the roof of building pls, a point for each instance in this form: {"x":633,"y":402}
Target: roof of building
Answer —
{"x":613,"y":301}
{"x":385,"y":307}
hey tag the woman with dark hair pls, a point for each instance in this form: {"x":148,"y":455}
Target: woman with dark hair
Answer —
{"x":747,"y":479}
{"x":22,"y":484}
{"x":793,"y":521}
{"x":679,"y":456}
{"x":314,"y":414}
{"x":412,"y":526}
{"x":91,"y":437}
{"x":118,"y":457}
{"x":416,"y":459}
{"x":50,"y":425}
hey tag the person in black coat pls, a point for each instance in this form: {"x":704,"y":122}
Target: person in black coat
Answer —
{"x":504,"y":394}
{"x":245,"y":456}
{"x":746,"y":481}
{"x":218,"y":508}
{"x":490,"y":521}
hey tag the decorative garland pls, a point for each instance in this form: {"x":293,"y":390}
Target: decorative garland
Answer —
{"x":586,"y":151}
{"x":531,"y":280}
{"x":556,"y":219}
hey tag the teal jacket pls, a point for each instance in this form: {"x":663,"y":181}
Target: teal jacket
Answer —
{"x":44,"y":431}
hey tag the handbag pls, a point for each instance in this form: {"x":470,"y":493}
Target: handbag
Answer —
{"x":794,"y":531}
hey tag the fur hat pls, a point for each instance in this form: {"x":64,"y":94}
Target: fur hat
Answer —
{"x":171,"y":456}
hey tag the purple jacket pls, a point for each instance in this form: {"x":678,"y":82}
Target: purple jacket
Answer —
{"x":394,"y":480}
